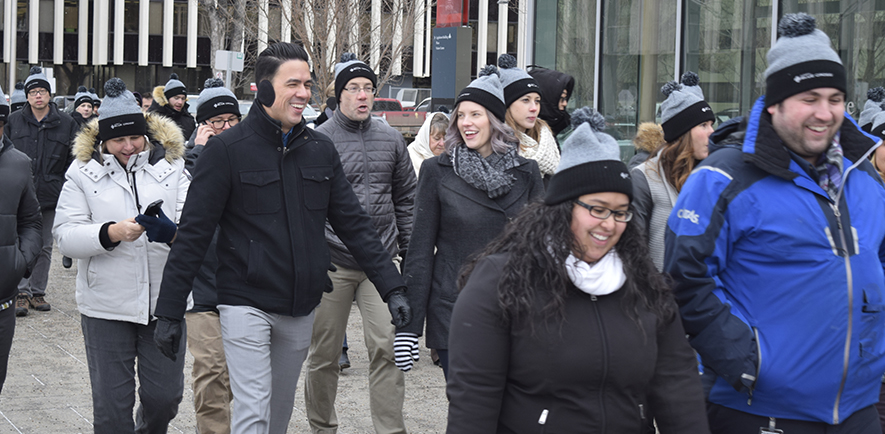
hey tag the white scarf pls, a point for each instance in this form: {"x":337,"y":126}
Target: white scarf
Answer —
{"x":545,"y":153}
{"x":602,"y":278}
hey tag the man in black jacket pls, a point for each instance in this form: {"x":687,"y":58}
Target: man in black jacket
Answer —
{"x":377,"y":164}
{"x":45,"y":134}
{"x":20,"y":231}
{"x":170,"y":100}
{"x":270,"y":183}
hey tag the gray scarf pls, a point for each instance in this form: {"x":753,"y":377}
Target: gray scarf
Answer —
{"x":487,"y":174}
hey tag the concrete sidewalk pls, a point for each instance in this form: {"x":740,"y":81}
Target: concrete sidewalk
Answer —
{"x":47,"y":389}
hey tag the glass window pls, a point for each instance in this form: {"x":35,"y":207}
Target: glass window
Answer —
{"x":156,"y":22}
{"x":638,"y":57}
{"x":72,"y":18}
{"x":725,"y":43}
{"x":47,"y":14}
{"x":565,"y":39}
{"x":130,"y":16}
{"x":856,"y":29}
{"x":179,"y":18}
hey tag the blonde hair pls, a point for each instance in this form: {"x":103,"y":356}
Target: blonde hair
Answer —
{"x":533,"y":132}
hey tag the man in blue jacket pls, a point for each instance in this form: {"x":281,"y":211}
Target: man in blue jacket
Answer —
{"x":776,"y":248}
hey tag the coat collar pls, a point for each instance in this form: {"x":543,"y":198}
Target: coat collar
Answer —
{"x":765,"y":149}
{"x":270,"y":129}
{"x":51,"y":120}
{"x":350,"y":124}
{"x":522,"y":172}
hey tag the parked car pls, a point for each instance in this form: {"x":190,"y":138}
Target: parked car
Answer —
{"x":407,"y":122}
{"x":424,"y":105}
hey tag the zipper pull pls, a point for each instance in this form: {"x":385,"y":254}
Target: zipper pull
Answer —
{"x":543,"y":419}
{"x":592,"y":297}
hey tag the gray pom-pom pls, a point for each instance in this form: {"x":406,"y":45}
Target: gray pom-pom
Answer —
{"x":81,"y":89}
{"x":793,"y":25}
{"x":114,"y":87}
{"x":20,"y":86}
{"x":670,"y":87}
{"x":586,"y":115}
{"x":506,"y":61}
{"x":36,"y":70}
{"x":91,"y":90}
{"x":173,"y":76}
{"x":690,"y":79}
{"x":213,"y":82}
{"x":876,"y":94}
{"x":347,"y":57}
{"x":488,"y":70}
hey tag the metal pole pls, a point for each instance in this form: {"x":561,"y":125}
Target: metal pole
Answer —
{"x":230,"y":59}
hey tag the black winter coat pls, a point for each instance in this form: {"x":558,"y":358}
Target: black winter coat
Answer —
{"x":21,"y":233}
{"x":48,"y":145}
{"x":205,"y":293}
{"x":595,"y":371}
{"x":457,"y":220}
{"x":377,"y":165}
{"x":271,"y":201}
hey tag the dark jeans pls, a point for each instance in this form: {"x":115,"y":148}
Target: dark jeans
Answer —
{"x":7,"y":330}
{"x":36,"y":284}
{"x":112,"y":349}
{"x":724,"y":420}
{"x":879,"y":406}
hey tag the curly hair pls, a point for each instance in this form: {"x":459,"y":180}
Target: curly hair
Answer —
{"x":503,"y":137}
{"x":538,"y":242}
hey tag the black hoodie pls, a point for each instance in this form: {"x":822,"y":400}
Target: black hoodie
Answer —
{"x":552,"y":83}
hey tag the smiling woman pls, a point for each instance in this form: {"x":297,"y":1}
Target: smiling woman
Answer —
{"x":571,"y":269}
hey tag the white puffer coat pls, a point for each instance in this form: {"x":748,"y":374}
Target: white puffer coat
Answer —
{"x":122,"y":283}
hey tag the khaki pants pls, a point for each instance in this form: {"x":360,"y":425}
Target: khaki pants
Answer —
{"x":386,"y":381}
{"x":212,"y":394}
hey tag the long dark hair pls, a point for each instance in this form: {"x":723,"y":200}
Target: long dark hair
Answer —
{"x":538,"y":242}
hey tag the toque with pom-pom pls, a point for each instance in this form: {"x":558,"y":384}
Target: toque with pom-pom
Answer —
{"x":515,"y":80}
{"x":174,"y":87}
{"x":590,"y":163}
{"x":486,"y":91}
{"x":82,"y":96}
{"x":215,"y":100}
{"x":684,"y":107}
{"x":871,"y":108}
{"x":17,"y":99}
{"x":120,"y":114}
{"x":802,"y":59}
{"x":36,"y":78}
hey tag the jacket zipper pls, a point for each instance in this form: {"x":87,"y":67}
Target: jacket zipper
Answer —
{"x":604,"y":362}
{"x":543,"y":420}
{"x":847,"y":353}
{"x":758,"y":365}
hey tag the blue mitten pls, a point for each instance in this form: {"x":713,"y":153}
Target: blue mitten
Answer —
{"x":159,"y":229}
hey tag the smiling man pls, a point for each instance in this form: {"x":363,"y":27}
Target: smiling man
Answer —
{"x":270,"y":183}
{"x":170,"y":100}
{"x":776,"y":247}
{"x":376,"y":162}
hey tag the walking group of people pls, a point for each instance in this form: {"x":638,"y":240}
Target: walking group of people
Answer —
{"x":562,"y":290}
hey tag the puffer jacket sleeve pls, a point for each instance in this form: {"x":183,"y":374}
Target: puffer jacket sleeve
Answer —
{"x":697,"y":243}
{"x":77,"y":235}
{"x":418,"y":265}
{"x":675,"y":393}
{"x":479,"y":350}
{"x":403,"y":193}
{"x":29,"y":222}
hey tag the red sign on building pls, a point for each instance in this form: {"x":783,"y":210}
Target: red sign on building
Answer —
{"x":452,"y":13}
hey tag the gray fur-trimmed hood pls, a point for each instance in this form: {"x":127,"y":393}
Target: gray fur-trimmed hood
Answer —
{"x":162,"y":132}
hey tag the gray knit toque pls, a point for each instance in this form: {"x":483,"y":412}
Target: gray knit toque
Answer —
{"x":684,"y":107}
{"x":120,"y":114}
{"x":174,"y":87}
{"x":4,"y":107}
{"x":215,"y":99}
{"x":349,"y":68}
{"x":82,"y":96}
{"x":486,"y":91}
{"x":18,"y":98}
{"x":878,"y":125}
{"x":516,"y":81}
{"x":802,"y":59}
{"x":590,"y":163}
{"x":36,"y":79}
{"x":871,"y":108}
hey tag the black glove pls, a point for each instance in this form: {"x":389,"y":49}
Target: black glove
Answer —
{"x":167,"y":336}
{"x":159,"y":229}
{"x":399,"y":308}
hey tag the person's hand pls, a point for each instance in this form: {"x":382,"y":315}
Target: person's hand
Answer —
{"x":126,"y":230}
{"x":399,"y":308}
{"x":167,"y":336}
{"x":203,"y":133}
{"x":405,"y":350}
{"x":159,"y":229}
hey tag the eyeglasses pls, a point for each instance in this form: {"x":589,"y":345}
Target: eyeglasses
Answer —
{"x":603,"y":213}
{"x":35,"y":92}
{"x":220,"y":123}
{"x":370,"y":90}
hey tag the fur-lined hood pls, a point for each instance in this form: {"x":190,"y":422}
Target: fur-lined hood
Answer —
{"x":161,"y":131}
{"x":159,"y":96}
{"x":649,"y":136}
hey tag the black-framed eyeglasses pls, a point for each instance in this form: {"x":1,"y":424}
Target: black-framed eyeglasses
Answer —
{"x":35,"y":92}
{"x":219,"y":124}
{"x":603,"y":213}
{"x":356,"y":89}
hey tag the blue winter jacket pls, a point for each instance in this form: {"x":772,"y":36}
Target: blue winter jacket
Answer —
{"x":781,"y":288}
